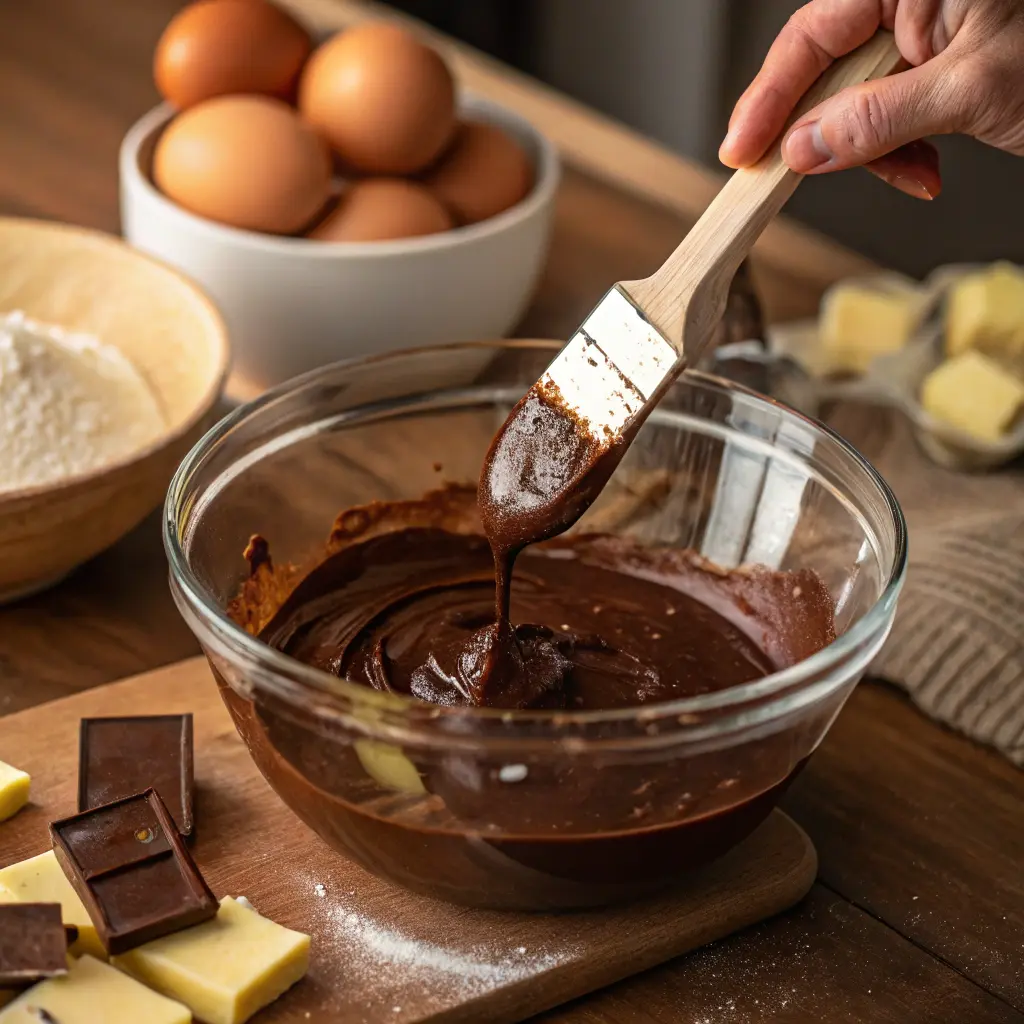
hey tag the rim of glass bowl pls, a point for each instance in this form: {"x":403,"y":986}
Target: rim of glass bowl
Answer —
{"x":290,"y":678}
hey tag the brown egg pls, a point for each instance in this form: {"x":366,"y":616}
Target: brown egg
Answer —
{"x":247,"y":161}
{"x":219,"y":47}
{"x":384,"y":101}
{"x":485,"y":171}
{"x":380,"y":208}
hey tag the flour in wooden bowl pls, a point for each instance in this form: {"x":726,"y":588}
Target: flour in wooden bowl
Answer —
{"x":68,"y":404}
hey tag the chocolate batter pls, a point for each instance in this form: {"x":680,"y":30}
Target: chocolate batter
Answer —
{"x":600,"y":623}
{"x":404,"y":602}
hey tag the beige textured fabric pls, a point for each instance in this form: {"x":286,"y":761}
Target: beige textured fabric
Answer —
{"x":957,"y":646}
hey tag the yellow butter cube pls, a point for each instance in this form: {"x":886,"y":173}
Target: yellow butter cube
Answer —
{"x":41,"y":880}
{"x":226,"y":969}
{"x":92,"y":992}
{"x":859,"y":323}
{"x":974,"y":393}
{"x":388,"y":766}
{"x":985,"y":310}
{"x":14,"y":785}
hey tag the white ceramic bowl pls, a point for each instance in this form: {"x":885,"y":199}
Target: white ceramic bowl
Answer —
{"x":292,"y":304}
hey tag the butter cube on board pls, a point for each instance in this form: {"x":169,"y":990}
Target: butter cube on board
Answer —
{"x":859,"y":323}
{"x":985,"y":310}
{"x":224,"y":970}
{"x":974,"y":393}
{"x":92,"y":992}
{"x":14,"y":785}
{"x":41,"y":880}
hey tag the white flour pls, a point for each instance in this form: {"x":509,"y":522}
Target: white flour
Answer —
{"x":392,"y":963}
{"x":68,"y":404}
{"x":472,"y":970}
{"x":754,"y":991}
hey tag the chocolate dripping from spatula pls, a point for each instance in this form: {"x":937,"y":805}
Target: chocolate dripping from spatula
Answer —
{"x":542,"y":472}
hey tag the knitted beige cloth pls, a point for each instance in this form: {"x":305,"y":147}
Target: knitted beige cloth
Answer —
{"x":957,"y":647}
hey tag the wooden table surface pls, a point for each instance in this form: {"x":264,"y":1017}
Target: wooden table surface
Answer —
{"x":918,"y":914}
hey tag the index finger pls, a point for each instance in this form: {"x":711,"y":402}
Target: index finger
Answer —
{"x":811,"y":40}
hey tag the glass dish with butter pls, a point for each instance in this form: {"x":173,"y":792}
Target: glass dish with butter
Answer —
{"x":949,"y":353}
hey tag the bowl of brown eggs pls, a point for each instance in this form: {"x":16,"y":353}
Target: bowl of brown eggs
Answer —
{"x":336,"y":199}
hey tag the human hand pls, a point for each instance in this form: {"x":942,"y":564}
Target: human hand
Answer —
{"x":966,"y":76}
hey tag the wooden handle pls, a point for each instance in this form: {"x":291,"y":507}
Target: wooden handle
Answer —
{"x":686,"y":297}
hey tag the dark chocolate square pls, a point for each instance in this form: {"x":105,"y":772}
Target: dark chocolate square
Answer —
{"x":120,"y":757}
{"x":115,"y":836}
{"x":131,"y":869}
{"x":33,"y":944}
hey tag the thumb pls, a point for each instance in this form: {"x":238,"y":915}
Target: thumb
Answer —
{"x":867,"y":121}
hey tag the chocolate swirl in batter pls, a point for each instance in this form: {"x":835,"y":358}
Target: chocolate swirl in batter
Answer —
{"x":599,"y":622}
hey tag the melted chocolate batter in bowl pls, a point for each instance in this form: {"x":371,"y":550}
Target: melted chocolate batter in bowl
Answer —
{"x":670,"y":663}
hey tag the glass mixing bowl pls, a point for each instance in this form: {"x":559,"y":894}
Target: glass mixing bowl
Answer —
{"x":468,"y":804}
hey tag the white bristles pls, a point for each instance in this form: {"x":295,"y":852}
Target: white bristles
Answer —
{"x":612,"y":366}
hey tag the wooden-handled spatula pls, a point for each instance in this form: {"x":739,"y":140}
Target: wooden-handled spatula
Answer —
{"x":646,"y":331}
{"x":634,"y":344}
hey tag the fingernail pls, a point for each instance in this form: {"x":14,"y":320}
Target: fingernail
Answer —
{"x":806,"y":149}
{"x":724,"y":151}
{"x":911,"y":186}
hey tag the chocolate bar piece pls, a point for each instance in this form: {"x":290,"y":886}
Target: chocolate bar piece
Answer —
{"x":132,"y":871}
{"x":33,"y":944}
{"x":120,"y":757}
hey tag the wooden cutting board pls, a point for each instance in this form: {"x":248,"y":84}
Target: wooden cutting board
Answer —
{"x":381,"y":954}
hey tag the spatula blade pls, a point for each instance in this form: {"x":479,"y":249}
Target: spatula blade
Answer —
{"x":613,"y":365}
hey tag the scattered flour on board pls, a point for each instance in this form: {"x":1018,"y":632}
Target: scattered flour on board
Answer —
{"x":68,"y":404}
{"x":393,"y":963}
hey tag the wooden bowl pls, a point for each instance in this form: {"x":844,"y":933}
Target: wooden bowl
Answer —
{"x":174,"y":336}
